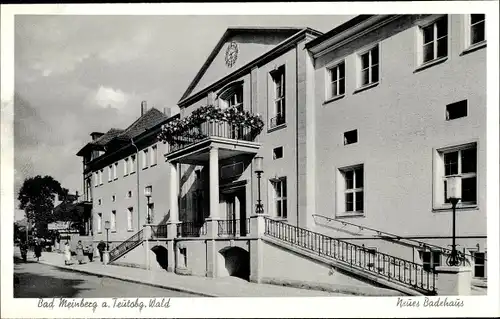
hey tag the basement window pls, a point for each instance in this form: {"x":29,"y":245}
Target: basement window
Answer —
{"x":350,"y":137}
{"x":456,"y":110}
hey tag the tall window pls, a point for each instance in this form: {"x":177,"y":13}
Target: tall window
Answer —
{"x":369,"y":67}
{"x":145,"y":158}
{"x":337,"y":80}
{"x":96,"y":179}
{"x":435,"y":40}
{"x":125,"y":167}
{"x":462,"y":162}
{"x":479,"y":264}
{"x":430,"y":259}
{"x":132,"y":164}
{"x":99,"y":222}
{"x":233,"y":97}
{"x":154,"y":155}
{"x":477,"y":28}
{"x":130,"y":212}
{"x":110,"y":173}
{"x":113,"y":220}
{"x":279,"y":197}
{"x":353,"y":191}
{"x":279,"y":104}
{"x":115,"y":171}
{"x":101,"y":172}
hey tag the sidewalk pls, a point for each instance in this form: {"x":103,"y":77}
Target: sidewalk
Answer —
{"x":200,"y":286}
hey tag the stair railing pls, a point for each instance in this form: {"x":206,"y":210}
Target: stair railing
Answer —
{"x":395,"y":238}
{"x":126,"y":246}
{"x":358,"y":257}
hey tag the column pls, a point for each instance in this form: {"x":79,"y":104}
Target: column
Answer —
{"x":214,"y":182}
{"x":453,"y":280}
{"x":174,"y":193}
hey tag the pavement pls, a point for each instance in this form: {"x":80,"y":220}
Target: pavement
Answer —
{"x":199,"y":286}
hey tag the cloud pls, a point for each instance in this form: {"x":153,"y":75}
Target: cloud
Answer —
{"x":108,"y":97}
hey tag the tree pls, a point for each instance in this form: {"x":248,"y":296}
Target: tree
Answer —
{"x":36,"y":197}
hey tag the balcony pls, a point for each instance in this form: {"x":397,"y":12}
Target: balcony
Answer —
{"x":231,"y":130}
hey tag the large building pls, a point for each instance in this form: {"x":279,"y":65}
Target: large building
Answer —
{"x":353,"y":134}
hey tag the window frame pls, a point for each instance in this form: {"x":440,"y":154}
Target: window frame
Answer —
{"x":99,"y":223}
{"x":329,"y":96}
{"x":484,"y":265}
{"x":432,"y":259}
{"x":439,"y":203}
{"x":113,"y":221}
{"x":342,"y":191}
{"x":125,"y":166}
{"x":132,"y":167}
{"x":115,"y":171}
{"x":359,"y":68}
{"x":432,"y":20}
{"x":154,"y":155}
{"x":110,"y":173}
{"x":278,"y":100}
{"x":130,"y":219}
{"x":145,"y":158}
{"x":350,"y":131}
{"x":468,"y":45}
{"x":282,"y":199}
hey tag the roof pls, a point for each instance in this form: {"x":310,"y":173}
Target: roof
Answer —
{"x":150,"y":119}
{"x":108,"y":136}
{"x":230,"y":32}
{"x":341,"y":28}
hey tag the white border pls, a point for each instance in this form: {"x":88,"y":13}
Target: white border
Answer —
{"x":251,"y":307}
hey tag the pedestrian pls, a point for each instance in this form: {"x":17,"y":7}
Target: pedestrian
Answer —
{"x":90,"y":252}
{"x":24,"y":251}
{"x":101,"y":246}
{"x":67,"y":253}
{"x":38,"y":249}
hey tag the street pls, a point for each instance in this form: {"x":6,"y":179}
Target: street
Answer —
{"x":35,"y":280}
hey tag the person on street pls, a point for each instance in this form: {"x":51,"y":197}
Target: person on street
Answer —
{"x":67,"y":254}
{"x":79,"y":252}
{"x":38,"y":249}
{"x":24,"y":251}
{"x":101,"y":246}
{"x":90,"y":252}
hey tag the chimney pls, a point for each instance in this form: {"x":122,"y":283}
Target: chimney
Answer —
{"x":144,"y":107}
{"x":167,"y":111}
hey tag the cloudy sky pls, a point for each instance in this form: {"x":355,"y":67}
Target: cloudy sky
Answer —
{"x":78,"y":74}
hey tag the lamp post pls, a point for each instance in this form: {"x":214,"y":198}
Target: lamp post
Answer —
{"x":454,"y":194}
{"x":147,"y":192}
{"x":259,"y":170}
{"x":107,"y":226}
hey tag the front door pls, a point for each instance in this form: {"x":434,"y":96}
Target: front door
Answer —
{"x":236,"y":212}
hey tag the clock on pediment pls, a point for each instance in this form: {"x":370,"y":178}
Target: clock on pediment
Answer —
{"x":231,"y":54}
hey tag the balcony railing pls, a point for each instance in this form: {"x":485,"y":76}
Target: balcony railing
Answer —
{"x":233,"y":227}
{"x":191,"y":229}
{"x":211,"y":129}
{"x":158,"y":231}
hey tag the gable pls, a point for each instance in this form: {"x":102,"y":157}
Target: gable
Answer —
{"x":249,"y":43}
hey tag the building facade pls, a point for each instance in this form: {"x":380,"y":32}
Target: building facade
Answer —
{"x":357,"y":130}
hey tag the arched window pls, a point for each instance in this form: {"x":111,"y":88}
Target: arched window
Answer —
{"x":232,"y":96}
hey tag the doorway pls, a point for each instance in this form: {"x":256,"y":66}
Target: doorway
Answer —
{"x":235,"y":202}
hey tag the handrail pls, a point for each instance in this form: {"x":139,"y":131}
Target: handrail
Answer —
{"x":232,"y":227}
{"x":126,"y":246}
{"x":393,"y":268}
{"x":191,"y":229}
{"x":394,"y":236}
{"x":158,"y":231}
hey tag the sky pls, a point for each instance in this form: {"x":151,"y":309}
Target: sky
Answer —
{"x":79,"y":74}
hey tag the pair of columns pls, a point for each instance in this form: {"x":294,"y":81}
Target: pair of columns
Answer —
{"x":214,"y":187}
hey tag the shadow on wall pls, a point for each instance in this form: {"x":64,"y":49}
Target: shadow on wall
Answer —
{"x":161,"y":256}
{"x":236,"y":262}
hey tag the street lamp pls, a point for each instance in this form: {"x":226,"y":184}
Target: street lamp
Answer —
{"x":147,"y":192}
{"x":259,"y":170}
{"x":107,"y":227}
{"x":454,"y":194}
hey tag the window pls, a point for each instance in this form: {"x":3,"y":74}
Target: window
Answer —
{"x":479,"y":264}
{"x":350,"y":137}
{"x":99,"y":201}
{"x":113,"y":220}
{"x":351,"y":195}
{"x":477,"y":28}
{"x":125,"y":167}
{"x":130,"y":212}
{"x":101,"y":172}
{"x":232,"y":170}
{"x":279,"y":197}
{"x":154,"y":155}
{"x":110,"y":173}
{"x":99,"y":222}
{"x":279,"y":104}
{"x":435,"y":40}
{"x":233,"y":97}
{"x":113,"y":198}
{"x":96,"y":179}
{"x":337,"y":80}
{"x":129,"y":194}
{"x":145,"y":158}
{"x":115,"y":171}
{"x":369,"y":67}
{"x":462,"y":162}
{"x":456,"y":110}
{"x":430,"y":259}
{"x":278,"y":152}
{"x":132,"y":164}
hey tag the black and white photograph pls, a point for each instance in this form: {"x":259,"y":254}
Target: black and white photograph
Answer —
{"x":154,"y":156}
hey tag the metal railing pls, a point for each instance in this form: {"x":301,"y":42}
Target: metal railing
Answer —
{"x":191,"y":229}
{"x":158,"y":231}
{"x":233,"y":227}
{"x":126,"y":246}
{"x":398,"y":239}
{"x":212,"y":129}
{"x":358,"y":257}
{"x":277,"y":120}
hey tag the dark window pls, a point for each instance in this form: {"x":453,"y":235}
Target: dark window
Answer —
{"x":477,"y":28}
{"x":456,"y":110}
{"x":278,"y":152}
{"x":435,"y":40}
{"x":479,"y":265}
{"x":351,"y":137}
